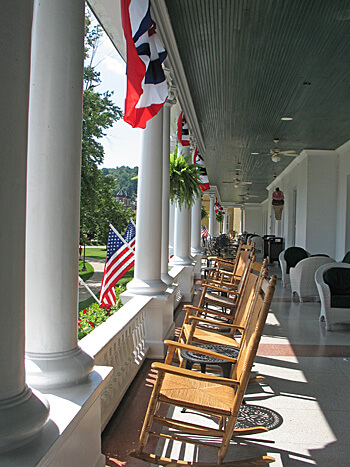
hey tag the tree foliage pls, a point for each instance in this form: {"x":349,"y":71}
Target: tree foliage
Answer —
{"x":125,"y":178}
{"x":97,"y":205}
{"x":184,"y":180}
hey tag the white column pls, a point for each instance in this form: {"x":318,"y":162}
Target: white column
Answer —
{"x":147,"y":276}
{"x":54,"y":358}
{"x":165,"y":195}
{"x":242,"y":220}
{"x":182,"y":239}
{"x":212,"y":218}
{"x":224,"y":224}
{"x":22,"y":413}
{"x":196,"y":227}
{"x":182,"y":243}
{"x":171,"y":227}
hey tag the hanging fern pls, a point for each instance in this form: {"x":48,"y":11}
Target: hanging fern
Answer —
{"x":204,"y":213}
{"x":184,"y":180}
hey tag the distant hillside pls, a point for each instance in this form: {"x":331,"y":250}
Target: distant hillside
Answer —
{"x":123,"y":176}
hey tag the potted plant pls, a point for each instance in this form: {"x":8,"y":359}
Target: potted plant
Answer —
{"x":184,"y":180}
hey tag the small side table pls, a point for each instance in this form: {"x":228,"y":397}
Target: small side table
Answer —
{"x":204,"y":360}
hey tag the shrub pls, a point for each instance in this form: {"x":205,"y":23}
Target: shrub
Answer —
{"x":93,"y":315}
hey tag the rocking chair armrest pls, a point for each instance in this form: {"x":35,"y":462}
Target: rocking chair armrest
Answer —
{"x":226,"y":289}
{"x":163,"y":367}
{"x":201,"y":350}
{"x":208,"y":311}
{"x":213,"y":322}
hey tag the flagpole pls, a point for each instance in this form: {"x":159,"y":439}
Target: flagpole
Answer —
{"x":89,"y":290}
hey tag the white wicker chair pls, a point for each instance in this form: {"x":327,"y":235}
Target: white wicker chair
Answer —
{"x":302,"y":276}
{"x":328,"y":314}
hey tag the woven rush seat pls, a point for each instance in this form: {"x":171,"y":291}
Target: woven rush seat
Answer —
{"x":198,"y":395}
{"x":209,"y":337}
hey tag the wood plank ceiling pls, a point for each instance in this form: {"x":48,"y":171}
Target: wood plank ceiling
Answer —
{"x":249,"y":63}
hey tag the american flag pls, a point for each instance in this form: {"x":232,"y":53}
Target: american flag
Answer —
{"x":130,"y":235}
{"x":119,"y":259}
{"x":205,"y":232}
{"x":182,"y":131}
{"x":147,"y":89}
{"x":204,"y":180}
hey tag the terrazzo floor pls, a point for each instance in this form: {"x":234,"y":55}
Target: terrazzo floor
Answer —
{"x":304,"y":397}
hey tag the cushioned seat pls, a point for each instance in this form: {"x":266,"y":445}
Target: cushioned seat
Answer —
{"x":346,"y":258}
{"x":333,"y":285}
{"x":338,"y":280}
{"x":294,"y":255}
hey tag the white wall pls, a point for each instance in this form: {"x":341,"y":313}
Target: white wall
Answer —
{"x":314,"y":176}
{"x":322,"y":202}
{"x":253,"y":219}
{"x":342,"y":208}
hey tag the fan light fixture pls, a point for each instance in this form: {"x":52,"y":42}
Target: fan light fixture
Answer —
{"x":287,"y":119}
{"x":275,"y":158}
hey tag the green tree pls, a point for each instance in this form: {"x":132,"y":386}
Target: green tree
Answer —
{"x":126,"y":179}
{"x":97,"y":205}
{"x":184,"y":180}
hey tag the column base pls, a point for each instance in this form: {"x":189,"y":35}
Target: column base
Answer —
{"x":58,"y":370}
{"x":146,"y":287}
{"x":168,"y":280}
{"x":181,"y":261}
{"x":185,"y":279}
{"x":22,"y":418}
{"x":198,"y":265}
{"x":72,"y":436}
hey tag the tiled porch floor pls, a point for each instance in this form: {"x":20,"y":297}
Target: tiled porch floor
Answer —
{"x":307,"y":388}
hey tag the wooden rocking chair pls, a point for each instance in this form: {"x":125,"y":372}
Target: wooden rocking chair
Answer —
{"x":213,"y":395}
{"x":203,"y":330}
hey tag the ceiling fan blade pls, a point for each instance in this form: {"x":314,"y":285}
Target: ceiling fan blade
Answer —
{"x":289,"y":153}
{"x":228,"y":182}
{"x":246,"y":183}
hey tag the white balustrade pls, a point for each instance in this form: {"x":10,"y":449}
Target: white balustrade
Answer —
{"x":119,"y":343}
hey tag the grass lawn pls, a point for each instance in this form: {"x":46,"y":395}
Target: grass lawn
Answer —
{"x":95,"y":252}
{"x":123,"y":281}
{"x":85,"y":275}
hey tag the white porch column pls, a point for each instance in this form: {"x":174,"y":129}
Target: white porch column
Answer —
{"x":242,"y":220}
{"x":171,"y":227}
{"x":165,"y":195}
{"x":147,"y":276}
{"x":22,"y":413}
{"x":212,"y":219}
{"x":182,"y":242}
{"x":224,"y":224}
{"x":196,"y":227}
{"x":182,"y":237}
{"x":54,"y":358}
{"x":182,"y":247}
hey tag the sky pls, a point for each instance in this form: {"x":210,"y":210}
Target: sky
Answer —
{"x":122,"y":144}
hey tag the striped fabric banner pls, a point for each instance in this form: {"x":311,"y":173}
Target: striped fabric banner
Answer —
{"x":147,"y":88}
{"x":182,"y":131}
{"x":198,"y":159}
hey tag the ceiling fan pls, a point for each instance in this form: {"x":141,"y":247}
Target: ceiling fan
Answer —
{"x":247,"y":195}
{"x":237,"y":182}
{"x":276,"y":152}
